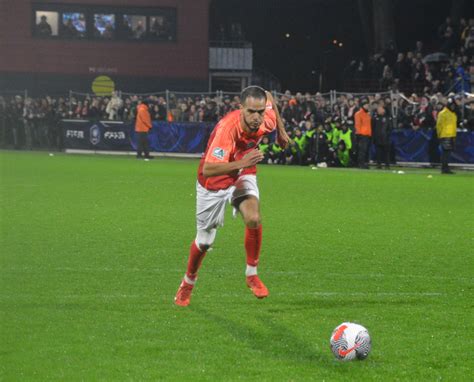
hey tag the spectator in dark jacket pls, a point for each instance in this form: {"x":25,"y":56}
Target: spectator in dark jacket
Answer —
{"x":401,"y":69}
{"x":450,"y":41}
{"x":381,"y":130}
{"x":43,"y":28}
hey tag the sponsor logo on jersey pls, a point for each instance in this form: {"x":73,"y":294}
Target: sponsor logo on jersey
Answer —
{"x":250,"y":145}
{"x":218,"y":153}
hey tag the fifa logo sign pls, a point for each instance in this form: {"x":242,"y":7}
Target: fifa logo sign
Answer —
{"x":94,"y":134}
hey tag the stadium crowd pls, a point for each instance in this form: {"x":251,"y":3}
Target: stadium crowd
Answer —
{"x":322,"y":129}
{"x":321,"y":125}
{"x":449,"y":69}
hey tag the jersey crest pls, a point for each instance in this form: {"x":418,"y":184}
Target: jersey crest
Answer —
{"x":218,"y":153}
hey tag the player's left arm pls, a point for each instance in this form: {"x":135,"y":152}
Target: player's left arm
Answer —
{"x":282,"y":137}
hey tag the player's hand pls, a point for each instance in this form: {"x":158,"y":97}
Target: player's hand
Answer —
{"x":252,"y":158}
{"x":283,"y":139}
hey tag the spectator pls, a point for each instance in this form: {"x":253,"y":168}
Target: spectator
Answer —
{"x":113,"y":106}
{"x":273,"y":153}
{"x":381,"y":131}
{"x":142,"y":127}
{"x":94,"y":110}
{"x":444,"y":27}
{"x":139,"y":31}
{"x":29,"y":123}
{"x":345,"y":145}
{"x":349,"y":71}
{"x":390,"y":53}
{"x":210,"y":112}
{"x":363,"y":128}
{"x":446,"y":130}
{"x":360,"y":71}
{"x":418,"y":72}
{"x":68,"y":29}
{"x":342,"y":158}
{"x":298,"y":148}
{"x":401,"y":69}
{"x":43,"y":29}
{"x":124,"y":30}
{"x":419,"y":48}
{"x":449,"y":41}
{"x":469,"y":37}
{"x":108,"y":31}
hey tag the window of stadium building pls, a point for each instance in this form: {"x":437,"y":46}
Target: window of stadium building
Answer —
{"x":104,"y":26}
{"x":134,"y":27}
{"x":162,"y":28}
{"x":102,"y":23}
{"x":46,"y":24}
{"x":73,"y":25}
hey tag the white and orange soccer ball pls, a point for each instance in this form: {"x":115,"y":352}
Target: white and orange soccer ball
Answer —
{"x":350,"y":341}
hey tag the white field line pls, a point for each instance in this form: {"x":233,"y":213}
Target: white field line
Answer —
{"x":231,"y":271}
{"x":206,"y":295}
{"x":133,"y":153}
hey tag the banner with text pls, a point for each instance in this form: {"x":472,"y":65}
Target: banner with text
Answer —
{"x":119,"y":136}
{"x":410,"y":146}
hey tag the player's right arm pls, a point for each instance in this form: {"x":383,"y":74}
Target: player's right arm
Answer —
{"x":282,"y":137}
{"x":223,"y":168}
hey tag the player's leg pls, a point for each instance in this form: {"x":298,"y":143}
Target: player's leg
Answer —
{"x":197,"y":252}
{"x":246,"y":199}
{"x":250,"y":210}
{"x":199,"y":247}
{"x":210,"y":209}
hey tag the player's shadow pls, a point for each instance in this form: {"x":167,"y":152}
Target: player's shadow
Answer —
{"x":269,"y":337}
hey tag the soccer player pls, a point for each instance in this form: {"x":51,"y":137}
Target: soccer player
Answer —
{"x":227,"y":173}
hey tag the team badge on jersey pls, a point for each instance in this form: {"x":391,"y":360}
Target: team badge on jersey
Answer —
{"x":218,"y":153}
{"x":250,"y":145}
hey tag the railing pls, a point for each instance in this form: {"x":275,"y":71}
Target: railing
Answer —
{"x":230,"y":44}
{"x":167,"y":105}
{"x":373,"y":85}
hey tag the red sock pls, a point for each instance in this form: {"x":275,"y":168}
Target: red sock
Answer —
{"x":253,"y":242}
{"x":195,"y":259}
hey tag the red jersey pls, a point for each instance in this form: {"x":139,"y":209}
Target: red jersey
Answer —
{"x":229,"y":143}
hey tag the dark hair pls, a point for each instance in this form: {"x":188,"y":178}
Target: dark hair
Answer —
{"x":254,"y":92}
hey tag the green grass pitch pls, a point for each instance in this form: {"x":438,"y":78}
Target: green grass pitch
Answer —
{"x":93,"y":249}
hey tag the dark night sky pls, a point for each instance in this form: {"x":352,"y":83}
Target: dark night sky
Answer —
{"x":313,"y":25}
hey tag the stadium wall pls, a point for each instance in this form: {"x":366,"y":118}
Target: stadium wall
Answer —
{"x":57,"y":65}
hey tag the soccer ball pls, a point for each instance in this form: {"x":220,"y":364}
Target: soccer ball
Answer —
{"x":350,"y":341}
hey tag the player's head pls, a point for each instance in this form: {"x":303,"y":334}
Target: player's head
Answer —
{"x":253,"y":105}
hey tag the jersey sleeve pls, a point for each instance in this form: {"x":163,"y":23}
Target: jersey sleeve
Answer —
{"x":221,"y":147}
{"x":269,"y":122}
